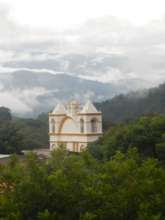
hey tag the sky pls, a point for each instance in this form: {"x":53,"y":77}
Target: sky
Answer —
{"x":68,"y":13}
{"x":103,"y":40}
{"x":33,"y":30}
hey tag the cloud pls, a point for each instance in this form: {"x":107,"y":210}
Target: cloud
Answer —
{"x":13,"y":102}
{"x":106,"y":49}
{"x":22,"y":101}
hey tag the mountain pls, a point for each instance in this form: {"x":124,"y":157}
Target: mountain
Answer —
{"x":95,"y":66}
{"x":36,"y":82}
{"x":30,"y":93}
{"x":133,"y":105}
{"x":103,"y":67}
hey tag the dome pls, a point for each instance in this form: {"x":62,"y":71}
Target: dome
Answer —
{"x":74,"y":102}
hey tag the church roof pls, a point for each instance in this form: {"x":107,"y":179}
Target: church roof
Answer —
{"x":74,"y":102}
{"x":89,"y":108}
{"x":59,"y":109}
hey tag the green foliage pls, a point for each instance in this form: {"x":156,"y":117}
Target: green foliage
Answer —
{"x":20,"y":134}
{"x":46,"y":215}
{"x":120,"y":177}
{"x":71,"y":187}
{"x":33,"y":131}
{"x":133,"y":105}
{"x":5,"y":114}
{"x":10,"y":139}
{"x":146,"y":134}
{"x":160,"y":148}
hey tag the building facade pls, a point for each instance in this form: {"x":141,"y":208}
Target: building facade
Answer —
{"x":74,"y":126}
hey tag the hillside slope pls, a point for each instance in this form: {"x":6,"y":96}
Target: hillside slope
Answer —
{"x":31,"y":93}
{"x":132,"y":105}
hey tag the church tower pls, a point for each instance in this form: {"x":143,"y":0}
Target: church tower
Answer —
{"x":74,"y":126}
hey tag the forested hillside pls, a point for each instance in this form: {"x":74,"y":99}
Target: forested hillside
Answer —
{"x":35,"y":92}
{"x":72,"y":187}
{"x":33,"y":133}
{"x":147,"y":134}
{"x":18,"y":134}
{"x":120,"y":177}
{"x":133,"y":105}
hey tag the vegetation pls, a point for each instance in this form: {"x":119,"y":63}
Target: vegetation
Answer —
{"x":33,"y":131}
{"x":71,"y":187}
{"x":18,"y":134}
{"x":120,"y":177}
{"x":147,"y":134}
{"x":133,"y":105}
{"x":10,"y":139}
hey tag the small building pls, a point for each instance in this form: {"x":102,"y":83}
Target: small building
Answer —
{"x":74,"y":126}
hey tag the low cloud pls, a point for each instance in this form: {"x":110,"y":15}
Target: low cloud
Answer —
{"x":105,"y":46}
{"x":21,"y":101}
{"x":105,"y":49}
{"x":13,"y":102}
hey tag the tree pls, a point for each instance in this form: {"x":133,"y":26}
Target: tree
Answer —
{"x":5,"y":114}
{"x":71,"y":187}
{"x":10,"y":138}
{"x":145,"y":134}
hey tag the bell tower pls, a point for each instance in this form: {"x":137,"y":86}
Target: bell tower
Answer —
{"x":92,"y":119}
{"x":74,"y":126}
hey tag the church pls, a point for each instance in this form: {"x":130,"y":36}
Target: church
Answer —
{"x":74,"y":126}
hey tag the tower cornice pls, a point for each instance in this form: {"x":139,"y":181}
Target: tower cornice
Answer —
{"x":52,"y":114}
{"x":97,"y":113}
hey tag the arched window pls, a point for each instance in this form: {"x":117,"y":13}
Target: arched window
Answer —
{"x":53,"y":126}
{"x":94,"y":125}
{"x":81,"y":125}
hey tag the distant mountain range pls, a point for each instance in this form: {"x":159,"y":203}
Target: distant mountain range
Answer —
{"x":29,"y":93}
{"x":96,"y":65}
{"x":103,"y":67}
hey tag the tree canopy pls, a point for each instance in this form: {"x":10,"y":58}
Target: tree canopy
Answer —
{"x":18,"y":134}
{"x":133,"y":105}
{"x":119,"y":177}
{"x":71,"y":187}
{"x":147,"y":134}
{"x":5,"y":114}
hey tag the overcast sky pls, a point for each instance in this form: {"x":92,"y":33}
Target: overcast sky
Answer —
{"x":132,"y":32}
{"x":67,"y":13}
{"x":104,"y":40}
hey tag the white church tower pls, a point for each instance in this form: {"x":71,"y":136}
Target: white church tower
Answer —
{"x":74,"y":126}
